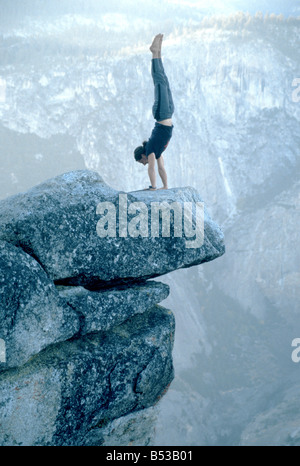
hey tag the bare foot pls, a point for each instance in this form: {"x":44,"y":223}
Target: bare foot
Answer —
{"x":155,"y":47}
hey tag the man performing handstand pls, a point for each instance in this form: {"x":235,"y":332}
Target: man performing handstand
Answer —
{"x":162,"y":111}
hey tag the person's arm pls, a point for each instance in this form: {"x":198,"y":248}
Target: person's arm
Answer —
{"x":151,"y":169}
{"x":162,"y":172}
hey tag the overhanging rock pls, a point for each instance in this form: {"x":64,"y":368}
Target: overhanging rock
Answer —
{"x":60,"y":223}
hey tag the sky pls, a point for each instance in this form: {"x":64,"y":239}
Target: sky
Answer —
{"x":286,"y":7}
{"x":148,"y":7}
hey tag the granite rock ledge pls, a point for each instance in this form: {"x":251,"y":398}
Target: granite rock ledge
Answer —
{"x":55,"y":222}
{"x":87,"y":347}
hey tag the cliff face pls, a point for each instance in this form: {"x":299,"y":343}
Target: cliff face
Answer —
{"x":85,"y":342}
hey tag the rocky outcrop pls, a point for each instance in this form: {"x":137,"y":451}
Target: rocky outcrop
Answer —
{"x":69,"y":390}
{"x":32,"y":314}
{"x":86,"y":344}
{"x":57,"y":222}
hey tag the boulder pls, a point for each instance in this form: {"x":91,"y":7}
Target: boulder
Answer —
{"x":85,"y":233}
{"x":35,"y":313}
{"x":32,"y":314}
{"x":72,"y":390}
{"x":104,"y":309}
{"x":132,"y":430}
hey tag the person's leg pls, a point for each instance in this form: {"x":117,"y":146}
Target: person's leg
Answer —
{"x":163,"y":107}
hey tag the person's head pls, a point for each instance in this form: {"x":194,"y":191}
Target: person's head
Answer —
{"x":140,"y":154}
